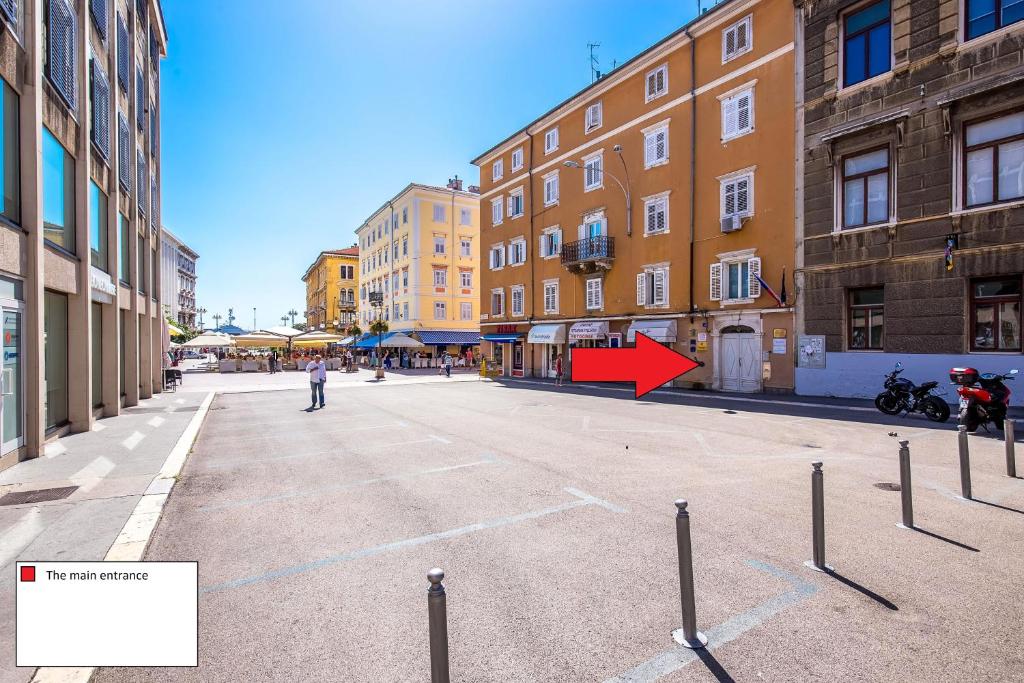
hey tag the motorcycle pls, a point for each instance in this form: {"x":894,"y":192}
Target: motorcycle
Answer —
{"x":984,"y":397}
{"x":903,"y":395}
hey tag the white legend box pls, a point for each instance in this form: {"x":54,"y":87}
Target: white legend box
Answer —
{"x":107,"y":613}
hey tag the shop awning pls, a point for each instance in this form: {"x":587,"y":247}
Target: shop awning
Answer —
{"x":369,"y":341}
{"x":546,"y":334}
{"x":445,"y":337}
{"x":594,"y":329}
{"x":502,"y":338}
{"x":658,"y":330}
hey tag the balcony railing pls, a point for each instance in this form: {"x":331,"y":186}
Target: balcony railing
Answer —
{"x":589,"y":254}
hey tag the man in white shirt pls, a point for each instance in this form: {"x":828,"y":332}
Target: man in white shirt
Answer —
{"x":317,"y":371}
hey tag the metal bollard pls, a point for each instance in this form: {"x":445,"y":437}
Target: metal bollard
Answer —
{"x":688,"y":635}
{"x":905,"y":493}
{"x":965,"y":463}
{"x":818,"y":519}
{"x":437,"y":612}
{"x":1011,"y":460}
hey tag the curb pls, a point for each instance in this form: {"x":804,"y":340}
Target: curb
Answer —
{"x":130,"y":544}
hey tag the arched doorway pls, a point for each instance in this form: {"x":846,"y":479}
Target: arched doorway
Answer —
{"x":740,"y":359}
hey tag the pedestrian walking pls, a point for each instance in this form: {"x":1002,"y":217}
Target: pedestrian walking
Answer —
{"x":317,"y":371}
{"x":469,"y":357}
{"x":448,"y":364}
{"x":273,"y":362}
{"x":558,"y":370}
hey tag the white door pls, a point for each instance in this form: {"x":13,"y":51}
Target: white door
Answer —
{"x":741,"y":368}
{"x":11,"y":385}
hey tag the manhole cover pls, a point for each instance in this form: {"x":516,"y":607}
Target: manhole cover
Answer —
{"x":811,"y":445}
{"x":37,"y":496}
{"x":887,"y":486}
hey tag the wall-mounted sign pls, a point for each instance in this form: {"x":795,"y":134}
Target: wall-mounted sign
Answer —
{"x":702,"y":337}
{"x":779,"y":333}
{"x":702,"y":346}
{"x":779,"y":345}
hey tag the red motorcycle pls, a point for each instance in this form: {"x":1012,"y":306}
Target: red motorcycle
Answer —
{"x":984,"y":397}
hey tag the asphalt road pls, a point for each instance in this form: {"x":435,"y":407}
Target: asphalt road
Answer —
{"x":552,"y":514}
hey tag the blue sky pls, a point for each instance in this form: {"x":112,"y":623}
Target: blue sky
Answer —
{"x":286,"y":124}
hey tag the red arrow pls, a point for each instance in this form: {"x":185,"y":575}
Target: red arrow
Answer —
{"x":649,"y":365}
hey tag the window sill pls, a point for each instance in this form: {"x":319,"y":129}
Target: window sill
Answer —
{"x":730,"y":138}
{"x":12,"y":225}
{"x":736,"y":55}
{"x":516,"y":265}
{"x":865,"y":350}
{"x":656,"y":233}
{"x":52,"y":246}
{"x":550,"y":151}
{"x":650,"y":98}
{"x":986,"y":38}
{"x":517,"y":168}
{"x":549,"y":257}
{"x":864,"y":228}
{"x":736,"y":302}
{"x":874,"y":80}
{"x":1000,"y":206}
{"x":548,"y":205}
{"x":498,"y":268}
{"x":588,"y":131}
{"x":518,"y":215}
{"x":591,"y":189}
{"x":662,"y":162}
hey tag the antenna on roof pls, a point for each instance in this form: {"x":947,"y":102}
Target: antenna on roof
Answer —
{"x":595,"y":74}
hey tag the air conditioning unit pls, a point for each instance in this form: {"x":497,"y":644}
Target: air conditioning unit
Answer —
{"x":732,"y":223}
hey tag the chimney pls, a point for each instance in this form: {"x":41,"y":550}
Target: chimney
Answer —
{"x":475,"y":189}
{"x":455,"y":183}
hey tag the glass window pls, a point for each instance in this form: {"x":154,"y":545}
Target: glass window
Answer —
{"x":439,"y":311}
{"x":12,"y":427}
{"x":867,"y":318}
{"x":58,"y":193}
{"x":866,"y":188}
{"x":994,"y":160}
{"x":55,"y":353}
{"x":738,"y":279}
{"x":995,"y":315}
{"x":97,"y":355}
{"x":98,"y":227}
{"x":985,"y":16}
{"x":10,"y":166}
{"x":867,"y":49}
{"x":140,"y":259}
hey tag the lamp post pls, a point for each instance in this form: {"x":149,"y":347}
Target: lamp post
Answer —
{"x":254,"y":318}
{"x":623,"y":186}
{"x":284,"y":320}
{"x":200,"y":312}
{"x":377,"y":302}
{"x":293,"y":313}
{"x":216,"y":320}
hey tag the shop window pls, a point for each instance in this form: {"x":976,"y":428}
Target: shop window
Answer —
{"x":995,"y":314}
{"x":867,"y":319}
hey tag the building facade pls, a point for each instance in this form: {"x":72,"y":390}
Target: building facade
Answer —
{"x":659,"y":199}
{"x":420,"y":250}
{"x":178,"y":279}
{"x":912,"y":190}
{"x":80,"y":217}
{"x":331,"y":285}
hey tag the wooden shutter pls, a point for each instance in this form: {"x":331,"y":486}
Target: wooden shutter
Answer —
{"x":641,"y":289}
{"x":716,"y":282}
{"x":730,"y":43}
{"x":729,"y":117}
{"x":742,"y":195}
{"x":650,"y":146}
{"x":652,"y":84}
{"x":141,"y":177}
{"x":754,"y":270}
{"x":661,"y":145}
{"x":744,"y":112}
{"x":741,"y":36}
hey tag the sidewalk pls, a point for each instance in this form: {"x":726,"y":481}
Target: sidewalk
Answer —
{"x":105,"y":474}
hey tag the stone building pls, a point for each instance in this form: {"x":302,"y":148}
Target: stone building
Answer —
{"x":912,"y":193}
{"x":178,"y":279}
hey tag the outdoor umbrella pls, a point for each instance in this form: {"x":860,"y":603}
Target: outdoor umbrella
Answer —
{"x":208,"y":339}
{"x":283,"y":331}
{"x":254,"y":339}
{"x":315,"y":338}
{"x":401,"y":341}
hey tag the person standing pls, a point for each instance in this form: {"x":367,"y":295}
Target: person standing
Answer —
{"x":317,"y":371}
{"x":558,"y":370}
{"x":448,"y":364}
{"x":469,"y":357}
{"x":273,"y":361}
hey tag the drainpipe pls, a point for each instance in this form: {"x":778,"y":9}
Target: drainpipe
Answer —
{"x":529,"y":245}
{"x":391,"y":255}
{"x":454,"y":262}
{"x":693,"y":155}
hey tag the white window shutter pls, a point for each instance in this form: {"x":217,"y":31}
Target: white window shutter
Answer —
{"x":754,"y":270}
{"x":728,"y":116}
{"x":581,"y":231}
{"x":651,"y":84}
{"x":649,"y":149}
{"x":743,"y":112}
{"x":659,"y":287}
{"x":661,"y":145}
{"x":716,"y":281}
{"x":742,"y":190}
{"x":641,"y":289}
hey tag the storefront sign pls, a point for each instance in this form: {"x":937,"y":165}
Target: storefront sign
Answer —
{"x":779,"y":333}
{"x":546,"y":334}
{"x":102,"y":285}
{"x":506,"y":329}
{"x":702,"y":346}
{"x":589,"y":330}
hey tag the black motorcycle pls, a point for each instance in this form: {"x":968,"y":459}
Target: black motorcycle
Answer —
{"x":902,"y":395}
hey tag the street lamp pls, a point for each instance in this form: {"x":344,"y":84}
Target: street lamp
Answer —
{"x":624,"y":187}
{"x":377,"y":302}
{"x":284,"y":320}
{"x":216,"y":320}
{"x":293,"y":313}
{"x":200,"y":312}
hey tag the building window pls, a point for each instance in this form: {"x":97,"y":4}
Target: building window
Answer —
{"x":58,"y":193}
{"x":466,"y":247}
{"x":985,"y":16}
{"x":738,"y":114}
{"x":465,"y":310}
{"x":497,"y":257}
{"x":465,"y":217}
{"x":652,"y":287}
{"x":736,"y":279}
{"x":867,"y":46}
{"x":395,"y":250}
{"x":405,"y":311}
{"x":98,"y":228}
{"x":10,"y":153}
{"x":656,"y":145}
{"x":405,"y":215}
{"x":466,"y":278}
{"x":440,"y":311}
{"x":737,"y":195}
{"x":515,"y":203}
{"x":497,"y":170}
{"x":657,"y":82}
{"x":140,"y":262}
{"x":737,"y":39}
{"x":497,"y":215}
{"x":55,"y":357}
{"x":551,"y":140}
{"x":594,"y":297}
{"x":497,"y":302}
{"x":593,"y":117}
{"x":439,"y":245}
{"x":593,"y":172}
{"x":551,"y":189}
{"x":517,"y":159}
{"x":551,"y":297}
{"x":517,"y":252}
{"x":656,"y":214}
{"x":551,"y":242}
{"x":517,"y":300}
{"x":124,"y":264}
{"x":995,"y":314}
{"x":440,"y":277}
{"x":405,"y":246}
{"x":867,"y":318}
{"x":405,"y":277}
{"x":994,"y":160}
{"x":440,"y":215}
{"x":866,"y":188}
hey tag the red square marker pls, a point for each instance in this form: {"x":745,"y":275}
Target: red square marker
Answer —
{"x":28,"y":573}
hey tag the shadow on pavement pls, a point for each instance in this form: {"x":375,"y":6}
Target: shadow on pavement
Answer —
{"x":958,"y":544}
{"x":864,"y":591}
{"x":714,"y":666}
{"x":997,"y":505}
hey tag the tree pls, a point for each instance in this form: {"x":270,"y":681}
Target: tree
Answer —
{"x":354,"y":330}
{"x":379,"y":327}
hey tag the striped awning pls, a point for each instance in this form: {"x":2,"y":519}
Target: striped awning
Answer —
{"x":445,"y":337}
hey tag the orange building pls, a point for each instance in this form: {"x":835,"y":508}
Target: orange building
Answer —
{"x":696,"y":135}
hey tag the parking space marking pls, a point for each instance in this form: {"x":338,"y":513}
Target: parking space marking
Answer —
{"x":672,"y":660}
{"x":581,"y":500}
{"x":486,"y":459}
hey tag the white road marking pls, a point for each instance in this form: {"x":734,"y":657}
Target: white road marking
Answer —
{"x":435,"y":437}
{"x":155,"y":421}
{"x":699,"y":438}
{"x":20,"y":535}
{"x":179,"y":401}
{"x":98,"y":427}
{"x":93,"y":473}
{"x":586,"y":422}
{"x":132,"y":441}
{"x":56,"y":448}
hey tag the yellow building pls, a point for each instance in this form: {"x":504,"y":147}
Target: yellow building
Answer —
{"x":331,"y":285}
{"x":421,"y":251}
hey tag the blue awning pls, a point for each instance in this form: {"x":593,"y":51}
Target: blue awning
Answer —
{"x":445,"y":337}
{"x":503,"y":338}
{"x":369,"y":341}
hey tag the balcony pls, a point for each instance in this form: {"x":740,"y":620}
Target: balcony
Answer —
{"x":589,"y":255}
